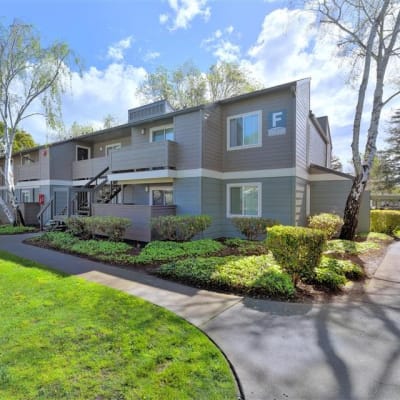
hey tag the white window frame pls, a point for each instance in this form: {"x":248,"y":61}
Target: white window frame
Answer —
{"x":112,"y":146}
{"x":245,"y":146}
{"x":241,"y":185}
{"x":78,"y":146}
{"x":24,"y":192}
{"x":158,"y":128}
{"x":167,"y":188}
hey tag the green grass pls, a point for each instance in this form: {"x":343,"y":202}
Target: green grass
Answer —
{"x":64,"y":338}
{"x":259,"y":275}
{"x":347,"y":247}
{"x":13,"y":230}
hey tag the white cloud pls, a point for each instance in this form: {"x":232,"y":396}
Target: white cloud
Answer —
{"x":221,"y":45}
{"x":151,"y":55}
{"x":116,"y":50}
{"x":92,"y":96}
{"x":184,"y":12}
{"x":163,"y":18}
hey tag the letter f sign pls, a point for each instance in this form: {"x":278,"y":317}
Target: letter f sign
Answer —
{"x":276,"y":117}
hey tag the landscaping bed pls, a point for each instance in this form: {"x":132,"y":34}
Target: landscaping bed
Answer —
{"x":15,"y":230}
{"x":233,"y":265}
{"x":64,"y":338}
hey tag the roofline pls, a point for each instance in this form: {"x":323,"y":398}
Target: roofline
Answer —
{"x":331,"y":171}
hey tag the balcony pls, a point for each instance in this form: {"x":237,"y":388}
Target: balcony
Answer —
{"x":144,"y":157}
{"x":148,"y":156}
{"x":87,"y":169}
{"x":27,"y":172}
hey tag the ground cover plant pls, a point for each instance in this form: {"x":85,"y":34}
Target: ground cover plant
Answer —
{"x":258,"y":275}
{"x":64,"y":338}
{"x":13,"y":230}
{"x":348,"y":247}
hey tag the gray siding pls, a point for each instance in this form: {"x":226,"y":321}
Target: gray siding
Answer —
{"x":212,"y":138}
{"x":99,"y":148}
{"x":302,"y":125}
{"x":318,"y":147}
{"x":213,"y":205}
{"x":301,"y":202}
{"x":188,"y":135}
{"x":139,"y":138}
{"x":187,"y":196}
{"x":62,"y":157}
{"x":330,"y":196}
{"x":276,"y":151}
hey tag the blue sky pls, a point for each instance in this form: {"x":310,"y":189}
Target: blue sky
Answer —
{"x":119,"y":41}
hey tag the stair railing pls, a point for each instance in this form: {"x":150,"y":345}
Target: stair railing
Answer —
{"x":40,"y":215}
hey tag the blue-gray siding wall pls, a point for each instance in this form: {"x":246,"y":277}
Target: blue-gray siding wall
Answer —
{"x":330,"y":196}
{"x":301,"y":202}
{"x":302,"y":125}
{"x":318,"y":147}
{"x":277,"y":201}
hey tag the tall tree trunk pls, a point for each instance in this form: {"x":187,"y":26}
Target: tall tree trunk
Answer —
{"x":9,"y":181}
{"x":353,"y":204}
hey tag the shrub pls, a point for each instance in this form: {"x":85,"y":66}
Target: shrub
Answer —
{"x":247,"y":247}
{"x":328,"y":223}
{"x":329,"y":278}
{"x":298,"y":250}
{"x":252,"y":227}
{"x":180,"y":227}
{"x":385,"y":221}
{"x":88,"y":227}
{"x":347,"y":268}
{"x":255,"y":274}
{"x":166,"y":251}
{"x":374,"y":237}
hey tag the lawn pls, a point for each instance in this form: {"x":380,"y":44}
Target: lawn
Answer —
{"x":13,"y":230}
{"x":64,"y":338}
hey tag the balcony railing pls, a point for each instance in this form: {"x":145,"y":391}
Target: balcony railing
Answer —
{"x":146,"y":156}
{"x":27,"y":172}
{"x":141,"y":157}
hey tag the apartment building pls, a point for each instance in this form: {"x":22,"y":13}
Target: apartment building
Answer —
{"x":259,"y":154}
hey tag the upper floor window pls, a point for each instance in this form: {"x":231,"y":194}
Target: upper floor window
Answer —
{"x":244,"y":130}
{"x":162,"y":133}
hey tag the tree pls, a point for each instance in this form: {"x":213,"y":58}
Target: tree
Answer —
{"x":227,"y":80}
{"x":370,"y":30}
{"x":187,"y":86}
{"x":392,"y":153}
{"x":29,"y":74}
{"x":23,"y":140}
{"x":336,"y":164}
{"x":109,"y":121}
{"x":381,"y":180}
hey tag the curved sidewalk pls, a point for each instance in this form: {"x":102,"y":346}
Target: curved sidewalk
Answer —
{"x":348,"y":350}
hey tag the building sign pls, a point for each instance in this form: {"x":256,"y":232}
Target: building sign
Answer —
{"x":277,"y":123}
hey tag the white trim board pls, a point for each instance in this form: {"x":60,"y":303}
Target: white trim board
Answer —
{"x":45,"y":182}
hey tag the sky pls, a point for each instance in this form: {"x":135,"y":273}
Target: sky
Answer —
{"x":120,"y":41}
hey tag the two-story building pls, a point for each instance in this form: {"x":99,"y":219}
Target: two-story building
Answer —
{"x":259,"y":154}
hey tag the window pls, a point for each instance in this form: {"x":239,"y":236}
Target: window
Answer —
{"x":162,"y":133}
{"x":244,"y":131}
{"x":111,"y":147}
{"x":244,"y":200}
{"x":161,"y":196}
{"x":82,"y":153}
{"x":25,"y":196}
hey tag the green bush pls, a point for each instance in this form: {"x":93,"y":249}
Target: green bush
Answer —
{"x":257,"y":275}
{"x":158,"y":251}
{"x":329,"y":278}
{"x":347,"y":268}
{"x":247,"y":247}
{"x":87,"y":227}
{"x":13,"y":230}
{"x":374,"y":237}
{"x":385,"y":221}
{"x":179,"y":228}
{"x":328,"y":223}
{"x":252,"y":228}
{"x":298,"y":250}
{"x":58,"y":240}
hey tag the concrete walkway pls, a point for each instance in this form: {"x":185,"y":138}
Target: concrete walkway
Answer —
{"x":349,"y":350}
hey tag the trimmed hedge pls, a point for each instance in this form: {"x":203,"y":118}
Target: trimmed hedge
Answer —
{"x":252,"y":227}
{"x":326,"y":222}
{"x":88,"y":227}
{"x":298,"y":250}
{"x":179,"y":228}
{"x":385,"y":221}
